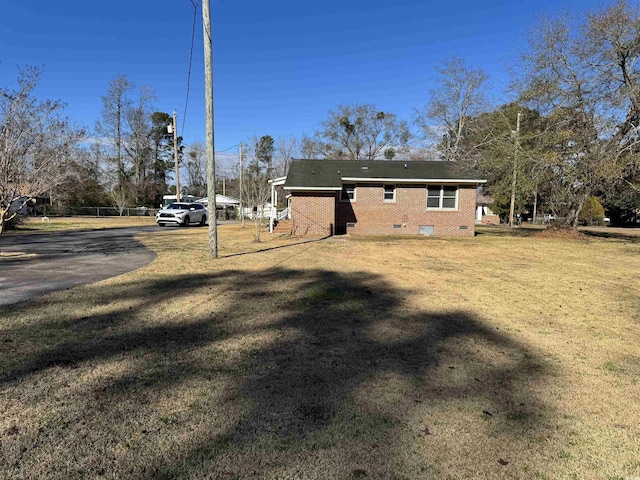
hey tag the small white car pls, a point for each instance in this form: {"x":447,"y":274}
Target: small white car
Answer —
{"x":183,"y":214}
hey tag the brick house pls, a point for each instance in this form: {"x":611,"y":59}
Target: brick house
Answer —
{"x":329,"y":197}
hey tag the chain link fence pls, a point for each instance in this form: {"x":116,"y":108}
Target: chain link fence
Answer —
{"x":115,"y":212}
{"x":46,"y":210}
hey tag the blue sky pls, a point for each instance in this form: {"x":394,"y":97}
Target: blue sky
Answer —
{"x":279,"y":66}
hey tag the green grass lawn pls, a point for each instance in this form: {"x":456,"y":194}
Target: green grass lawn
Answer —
{"x":499,"y":356}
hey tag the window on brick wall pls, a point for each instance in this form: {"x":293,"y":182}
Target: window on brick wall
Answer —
{"x":389,"y":193}
{"x":442,"y":197}
{"x":348,"y":193}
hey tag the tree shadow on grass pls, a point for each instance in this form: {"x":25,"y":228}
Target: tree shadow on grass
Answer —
{"x":612,"y":235}
{"x":278,"y":247}
{"x":326,"y":370}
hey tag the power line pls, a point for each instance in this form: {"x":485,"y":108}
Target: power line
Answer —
{"x":193,"y":33}
{"x":217,"y":151}
{"x":227,"y":149}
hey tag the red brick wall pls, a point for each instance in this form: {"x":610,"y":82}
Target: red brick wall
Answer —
{"x":313,"y":213}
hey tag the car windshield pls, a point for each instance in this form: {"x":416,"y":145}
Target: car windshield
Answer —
{"x":178,"y":206}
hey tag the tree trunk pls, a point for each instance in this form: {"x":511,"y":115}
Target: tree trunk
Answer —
{"x":576,"y":215}
{"x":258,"y":224}
{"x":5,"y":217}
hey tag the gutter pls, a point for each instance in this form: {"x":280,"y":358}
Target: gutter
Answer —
{"x":411,"y":180}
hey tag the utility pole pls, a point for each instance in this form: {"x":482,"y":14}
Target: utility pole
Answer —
{"x":211,"y":162}
{"x":241,"y":191}
{"x":175,"y":153}
{"x":515,"y":171}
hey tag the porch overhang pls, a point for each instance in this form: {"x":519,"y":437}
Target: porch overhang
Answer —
{"x":276,"y":182}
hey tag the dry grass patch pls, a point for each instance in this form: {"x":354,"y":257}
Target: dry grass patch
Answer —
{"x":489,"y":357}
{"x":16,"y":255}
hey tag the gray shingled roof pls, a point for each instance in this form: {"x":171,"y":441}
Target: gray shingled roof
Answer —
{"x":329,"y":174}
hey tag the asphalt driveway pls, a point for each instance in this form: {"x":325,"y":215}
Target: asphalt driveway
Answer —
{"x":38,"y":263}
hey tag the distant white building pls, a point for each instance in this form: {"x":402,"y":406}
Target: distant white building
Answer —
{"x":226,"y":207}
{"x":484,"y":214}
{"x":169,"y":199}
{"x":221,"y":201}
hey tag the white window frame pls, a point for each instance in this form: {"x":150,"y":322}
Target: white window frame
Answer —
{"x":441,"y":198}
{"x":384,"y":192}
{"x":344,"y":190}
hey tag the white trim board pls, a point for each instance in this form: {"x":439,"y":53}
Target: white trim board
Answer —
{"x":409,"y":180}
{"x":303,"y":189}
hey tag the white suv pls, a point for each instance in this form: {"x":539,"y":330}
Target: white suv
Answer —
{"x":182,"y":214}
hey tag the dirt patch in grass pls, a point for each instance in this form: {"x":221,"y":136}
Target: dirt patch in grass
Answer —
{"x":562,"y":234}
{"x":525,"y":230}
{"x":489,"y":357}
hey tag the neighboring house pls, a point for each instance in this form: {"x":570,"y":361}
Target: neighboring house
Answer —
{"x":329,"y":197}
{"x":484,"y":214}
{"x":23,"y":201}
{"x":20,"y":205}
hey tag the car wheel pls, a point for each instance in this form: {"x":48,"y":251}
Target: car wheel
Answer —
{"x":186,"y":221}
{"x":162,"y":224}
{"x":203,"y":221}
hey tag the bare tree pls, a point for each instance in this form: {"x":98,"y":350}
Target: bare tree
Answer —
{"x":121,"y":196}
{"x":138,"y":142}
{"x":140,"y":149}
{"x":360,"y":132}
{"x":82,"y":183}
{"x":459,"y":98}
{"x":35,"y":140}
{"x":584,"y":78}
{"x":308,"y":148}
{"x":287,"y":148}
{"x":112,"y":127}
{"x":315,"y":148}
{"x":256,"y":190}
{"x":197,"y":169}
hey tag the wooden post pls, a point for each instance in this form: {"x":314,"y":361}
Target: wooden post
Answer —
{"x":515,"y":172}
{"x":241,"y":187}
{"x":175,"y":153}
{"x":211,"y":164}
